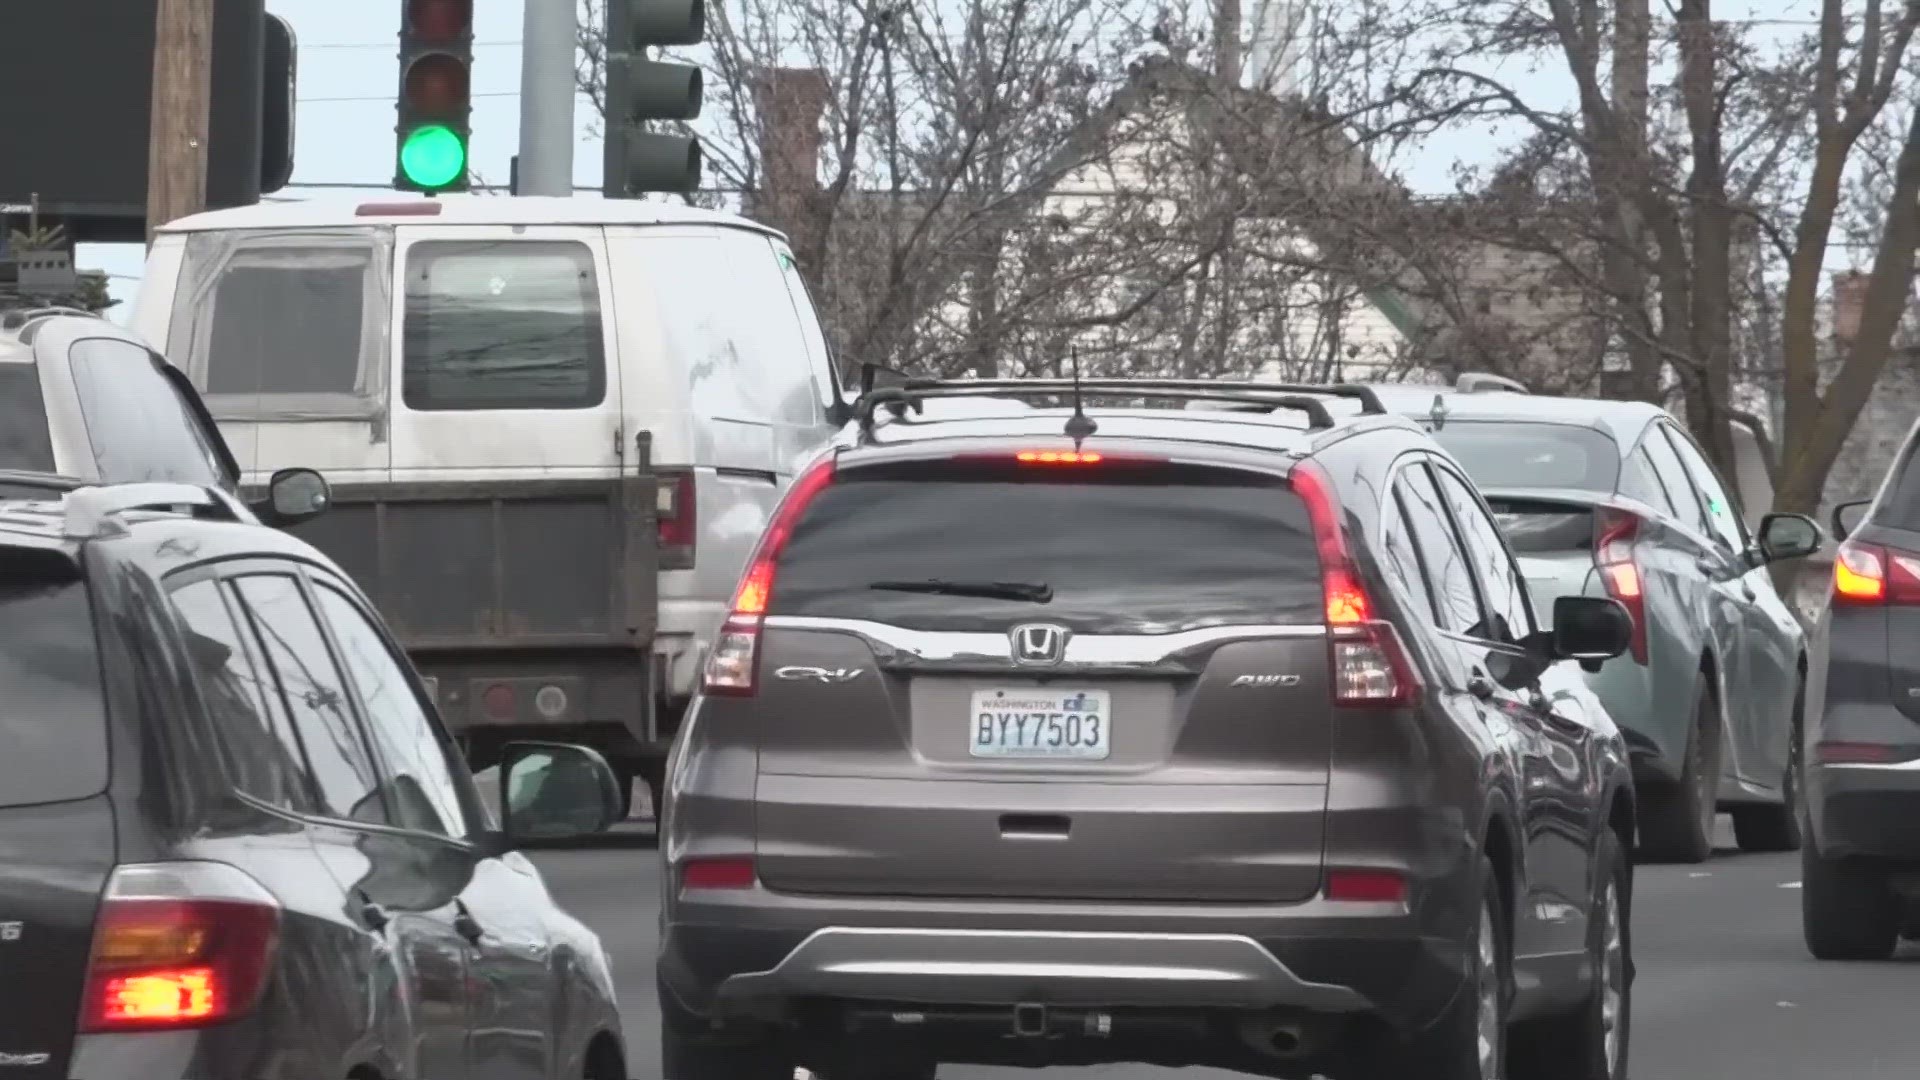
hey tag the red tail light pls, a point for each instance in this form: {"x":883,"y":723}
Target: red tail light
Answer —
{"x":1614,"y":536}
{"x":732,"y":665}
{"x":1369,"y":662}
{"x":1366,"y":886}
{"x":678,"y":512}
{"x":726,"y":872}
{"x":1873,"y":575}
{"x":179,"y":945}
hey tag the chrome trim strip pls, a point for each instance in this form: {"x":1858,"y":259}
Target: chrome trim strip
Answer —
{"x":900,"y":645}
{"x":1874,"y":766}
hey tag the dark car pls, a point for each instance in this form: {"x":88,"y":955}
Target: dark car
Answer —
{"x":1860,"y":892}
{"x":235,"y":843}
{"x":1049,"y":737}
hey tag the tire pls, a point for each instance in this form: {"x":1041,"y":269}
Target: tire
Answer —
{"x":1591,"y":1042}
{"x":1451,"y":1048}
{"x":688,"y":1051}
{"x":1678,"y":825}
{"x":1848,"y":910}
{"x":1777,"y":828}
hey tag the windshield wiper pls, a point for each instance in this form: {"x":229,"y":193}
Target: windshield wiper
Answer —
{"x":1031,"y":592}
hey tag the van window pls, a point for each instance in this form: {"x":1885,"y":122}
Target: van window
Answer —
{"x":25,"y":442}
{"x":508,"y":324}
{"x":53,"y":731}
{"x":137,"y":424}
{"x":1098,"y":539}
{"x":724,"y":303}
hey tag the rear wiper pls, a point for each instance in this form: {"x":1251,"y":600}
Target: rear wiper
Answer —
{"x":986,"y":590}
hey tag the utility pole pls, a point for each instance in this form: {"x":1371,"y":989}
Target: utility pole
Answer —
{"x":177,"y":130}
{"x":547,"y":40}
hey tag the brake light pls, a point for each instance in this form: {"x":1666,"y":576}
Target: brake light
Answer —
{"x":732,"y":665}
{"x":725,"y":872}
{"x":1057,"y":457}
{"x":1368,"y":660}
{"x":678,"y":509}
{"x":178,"y":945}
{"x":1870,"y":575}
{"x":1613,"y":555}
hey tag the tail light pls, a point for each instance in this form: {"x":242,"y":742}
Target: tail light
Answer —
{"x":1613,"y":554}
{"x":1873,"y":575}
{"x":178,"y":945}
{"x":678,"y":513}
{"x":1369,"y":662}
{"x":725,"y":872}
{"x":732,"y":665}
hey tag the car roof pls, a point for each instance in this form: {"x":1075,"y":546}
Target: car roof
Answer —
{"x":1624,"y":421}
{"x":21,"y":328}
{"x":43,"y":524}
{"x":459,"y":210}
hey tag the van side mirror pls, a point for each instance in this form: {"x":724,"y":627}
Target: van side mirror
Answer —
{"x":1788,"y":536}
{"x":293,"y":496}
{"x":1590,"y":628}
{"x":1848,"y":516}
{"x":556,"y":791}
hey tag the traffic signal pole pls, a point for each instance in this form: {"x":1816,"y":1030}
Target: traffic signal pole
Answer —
{"x":546,"y":98}
{"x":177,"y":129}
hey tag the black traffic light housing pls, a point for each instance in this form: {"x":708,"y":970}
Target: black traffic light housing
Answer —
{"x":640,"y":89}
{"x":435,"y":96}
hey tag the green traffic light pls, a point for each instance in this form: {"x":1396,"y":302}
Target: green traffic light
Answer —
{"x":433,"y":156}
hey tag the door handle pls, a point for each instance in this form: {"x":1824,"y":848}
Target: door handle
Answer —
{"x":468,"y":926}
{"x":373,"y":916}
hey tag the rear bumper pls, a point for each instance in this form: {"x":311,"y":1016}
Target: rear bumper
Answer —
{"x":1869,"y":811}
{"x":755,"y":955}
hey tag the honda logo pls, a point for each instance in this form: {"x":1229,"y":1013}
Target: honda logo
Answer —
{"x":1039,"y":643}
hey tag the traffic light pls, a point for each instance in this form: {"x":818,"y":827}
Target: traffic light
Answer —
{"x":640,"y":89}
{"x":436,"y":107}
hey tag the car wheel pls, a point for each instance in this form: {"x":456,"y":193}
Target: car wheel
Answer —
{"x":1591,"y":1042}
{"x":1777,"y":828}
{"x":1678,"y":825}
{"x":689,"y":1051}
{"x":1848,"y":910}
{"x":1469,"y":1040}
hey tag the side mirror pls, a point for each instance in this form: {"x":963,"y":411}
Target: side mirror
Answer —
{"x":1848,"y":516}
{"x":1788,"y":536}
{"x":294,"y":496}
{"x":555,"y":791}
{"x":1589,"y":628}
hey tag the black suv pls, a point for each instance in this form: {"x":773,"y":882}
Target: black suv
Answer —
{"x":1042,"y":735}
{"x":234,"y":839}
{"x":1860,"y":891}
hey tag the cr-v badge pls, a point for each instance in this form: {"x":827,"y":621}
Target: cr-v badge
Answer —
{"x":818,"y":674}
{"x":8,"y":1060}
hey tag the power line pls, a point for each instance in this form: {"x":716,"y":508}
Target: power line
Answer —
{"x":388,"y":45}
{"x":390,"y":97}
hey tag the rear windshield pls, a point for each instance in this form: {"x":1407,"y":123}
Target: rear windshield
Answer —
{"x":25,"y":442}
{"x":1530,"y":455}
{"x":1117,"y":549}
{"x":1535,"y":528}
{"x":53,"y":731}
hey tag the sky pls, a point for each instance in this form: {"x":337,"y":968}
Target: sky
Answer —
{"x":348,"y":75}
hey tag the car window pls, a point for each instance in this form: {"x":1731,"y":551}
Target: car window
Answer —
{"x":295,"y":316}
{"x":421,"y":788}
{"x":136,"y":423}
{"x":509,"y":324}
{"x":1102,"y":538}
{"x":1454,"y":593}
{"x":1639,"y":479}
{"x":315,"y":696}
{"x":26,"y":443}
{"x":1402,"y":562}
{"x":1723,"y":511}
{"x":1511,"y":618}
{"x":53,"y":730}
{"x":256,"y":742}
{"x":1673,"y":477}
{"x":1520,"y":454}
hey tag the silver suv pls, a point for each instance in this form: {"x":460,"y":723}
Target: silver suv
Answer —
{"x":1053,"y":736}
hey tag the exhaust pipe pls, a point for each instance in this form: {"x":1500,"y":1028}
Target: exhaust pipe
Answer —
{"x":1274,"y":1038}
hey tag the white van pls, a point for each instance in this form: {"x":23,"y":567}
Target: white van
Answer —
{"x":518,"y":365}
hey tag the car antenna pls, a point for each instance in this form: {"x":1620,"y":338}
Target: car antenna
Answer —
{"x":1079,"y":425}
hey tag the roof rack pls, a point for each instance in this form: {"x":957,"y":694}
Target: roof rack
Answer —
{"x":1479,"y":382}
{"x":1270,"y":396}
{"x":53,"y":482}
{"x":90,"y":510}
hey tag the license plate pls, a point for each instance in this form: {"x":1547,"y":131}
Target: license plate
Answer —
{"x":1029,"y":723}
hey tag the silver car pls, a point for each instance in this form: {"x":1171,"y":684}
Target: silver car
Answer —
{"x":1614,"y":498}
